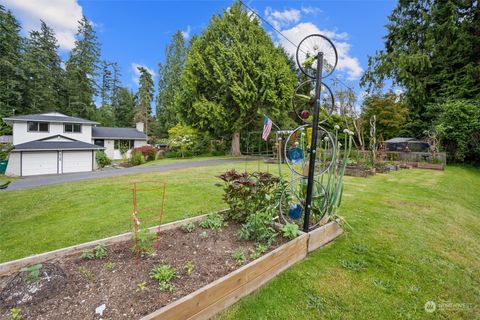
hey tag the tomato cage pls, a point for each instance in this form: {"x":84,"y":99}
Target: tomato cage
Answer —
{"x":151,"y":194}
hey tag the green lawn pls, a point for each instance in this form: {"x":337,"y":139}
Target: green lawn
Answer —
{"x":195,"y":159}
{"x":415,"y":237}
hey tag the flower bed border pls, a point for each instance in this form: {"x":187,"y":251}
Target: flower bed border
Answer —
{"x":221,"y":293}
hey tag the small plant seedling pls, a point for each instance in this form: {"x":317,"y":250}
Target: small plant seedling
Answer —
{"x":109,"y":265}
{"x":86,"y":273}
{"x":213,"y":221}
{"x":188,"y":228}
{"x":142,"y":286}
{"x":356,"y":265}
{"x":16,"y":314}
{"x":383,"y":285}
{"x":163,"y":274}
{"x":359,"y":248}
{"x":239,"y":256}
{"x":258,"y":251}
{"x":33,"y":272}
{"x":290,"y":231}
{"x":145,"y":241}
{"x":189,"y":267}
{"x":315,"y":302}
{"x":204,"y":235}
{"x":99,"y":252}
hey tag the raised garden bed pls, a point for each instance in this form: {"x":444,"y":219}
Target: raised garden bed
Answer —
{"x":431,"y":166}
{"x":73,"y":288}
{"x":357,"y":171}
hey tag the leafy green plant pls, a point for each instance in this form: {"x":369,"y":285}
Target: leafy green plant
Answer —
{"x":188,"y":228}
{"x":356,"y":265}
{"x":109,"y":265}
{"x":33,"y":272}
{"x":290,"y":231}
{"x":145,"y":241}
{"x":257,"y":251}
{"x":239,"y":256}
{"x":142,"y":286}
{"x":102,"y":159}
{"x":99,"y":252}
{"x":189,"y":267}
{"x":86,"y":273}
{"x":213,"y":221}
{"x":16,"y":314}
{"x":315,"y":302}
{"x":137,"y":158}
{"x":164,"y":274}
{"x":204,"y":235}
{"x":247,"y":193}
{"x":259,"y":227}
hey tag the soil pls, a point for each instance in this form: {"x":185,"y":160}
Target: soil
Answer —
{"x":75,"y":287}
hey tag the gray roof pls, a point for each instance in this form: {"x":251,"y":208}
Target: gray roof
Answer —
{"x":400,"y":140}
{"x":117,"y":133}
{"x":49,"y":118}
{"x":40,"y":145}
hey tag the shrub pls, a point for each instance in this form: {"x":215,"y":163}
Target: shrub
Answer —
{"x":184,"y":139}
{"x":137,"y":159}
{"x":148,"y":152}
{"x":247,"y":193}
{"x":102,"y":159}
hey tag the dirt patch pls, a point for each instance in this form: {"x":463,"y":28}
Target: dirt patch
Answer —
{"x":114,"y":281}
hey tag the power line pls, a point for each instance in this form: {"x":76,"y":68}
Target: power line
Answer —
{"x":286,"y":38}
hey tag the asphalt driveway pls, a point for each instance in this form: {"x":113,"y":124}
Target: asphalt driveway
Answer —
{"x":45,"y":180}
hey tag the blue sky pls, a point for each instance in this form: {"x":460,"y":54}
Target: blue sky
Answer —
{"x":136,"y":32}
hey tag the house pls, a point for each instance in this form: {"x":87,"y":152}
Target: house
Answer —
{"x":54,"y":143}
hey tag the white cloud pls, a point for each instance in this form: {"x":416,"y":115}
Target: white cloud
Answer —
{"x":346,"y":63}
{"x":136,"y":72}
{"x":186,"y":33}
{"x":61,"y":15}
{"x":283,"y":18}
{"x":310,"y":10}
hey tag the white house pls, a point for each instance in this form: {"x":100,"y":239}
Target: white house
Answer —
{"x":54,"y":143}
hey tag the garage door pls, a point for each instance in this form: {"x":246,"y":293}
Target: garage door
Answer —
{"x":77,"y":161}
{"x":34,"y":163}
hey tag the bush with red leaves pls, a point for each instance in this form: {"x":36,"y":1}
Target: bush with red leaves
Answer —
{"x":148,"y":152}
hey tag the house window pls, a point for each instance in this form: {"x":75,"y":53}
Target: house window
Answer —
{"x":37,"y":126}
{"x":72,"y":127}
{"x":123,"y":145}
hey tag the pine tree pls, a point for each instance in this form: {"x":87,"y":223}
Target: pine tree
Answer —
{"x":125,"y":109}
{"x":233,"y":73}
{"x":169,"y":83}
{"x":12,"y":77}
{"x":82,"y":71}
{"x":44,"y":75}
{"x":145,"y":96}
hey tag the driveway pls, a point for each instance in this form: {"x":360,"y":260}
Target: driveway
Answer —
{"x":45,"y":180}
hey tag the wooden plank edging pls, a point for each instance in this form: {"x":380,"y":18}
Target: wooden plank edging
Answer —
{"x":323,"y":235}
{"x":11,"y":266}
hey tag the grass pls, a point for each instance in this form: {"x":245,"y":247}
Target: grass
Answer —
{"x":195,"y":159}
{"x":415,"y":237}
{"x":52,"y":217}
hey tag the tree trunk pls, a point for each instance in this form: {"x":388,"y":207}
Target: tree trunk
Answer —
{"x":236,"y":144}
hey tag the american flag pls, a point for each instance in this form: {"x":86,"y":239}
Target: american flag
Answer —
{"x":267,"y":127}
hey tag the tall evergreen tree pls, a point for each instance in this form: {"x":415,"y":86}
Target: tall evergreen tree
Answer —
{"x":233,"y":73}
{"x":432,"y":49}
{"x":125,"y":109}
{"x":145,"y":96}
{"x":44,"y":75}
{"x":11,"y":74}
{"x":82,"y":71}
{"x":169,"y":83}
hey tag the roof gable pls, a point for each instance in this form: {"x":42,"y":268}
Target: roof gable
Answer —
{"x":48,"y":117}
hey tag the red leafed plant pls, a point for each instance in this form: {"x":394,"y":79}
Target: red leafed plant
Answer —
{"x":147,"y":151}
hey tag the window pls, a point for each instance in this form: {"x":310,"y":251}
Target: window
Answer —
{"x":37,"y":126}
{"x":123,"y":145}
{"x":72,"y":127}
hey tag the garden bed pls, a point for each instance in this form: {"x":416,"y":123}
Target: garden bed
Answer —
{"x":355,"y":171}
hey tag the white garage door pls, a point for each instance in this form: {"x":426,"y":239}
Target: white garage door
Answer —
{"x":34,"y":163}
{"x":77,"y":161}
